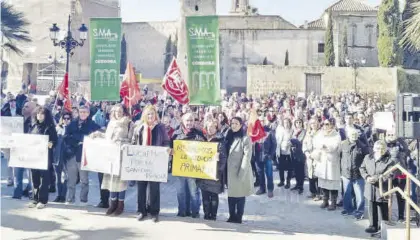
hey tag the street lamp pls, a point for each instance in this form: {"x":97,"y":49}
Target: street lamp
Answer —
{"x":68,"y":43}
{"x":355,"y":64}
{"x":55,"y":61}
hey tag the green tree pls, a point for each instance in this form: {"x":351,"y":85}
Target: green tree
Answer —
{"x":286,"y":58}
{"x":123,"y":62}
{"x":411,"y":33}
{"x":329,"y":42}
{"x":389,"y":24}
{"x":168,"y":54}
{"x":13,"y":28}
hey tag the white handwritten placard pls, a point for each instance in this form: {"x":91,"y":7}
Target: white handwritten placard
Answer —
{"x":383,"y":120}
{"x":29,"y":151}
{"x":9,"y":125}
{"x":100,"y":155}
{"x":144,"y":163}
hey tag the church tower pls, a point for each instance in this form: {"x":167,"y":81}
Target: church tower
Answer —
{"x":239,"y":7}
{"x":190,"y":8}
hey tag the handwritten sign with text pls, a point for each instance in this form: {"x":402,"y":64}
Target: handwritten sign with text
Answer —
{"x":30,"y":151}
{"x":8,"y":126}
{"x":195,"y":159}
{"x":144,"y":163}
{"x":100,"y":155}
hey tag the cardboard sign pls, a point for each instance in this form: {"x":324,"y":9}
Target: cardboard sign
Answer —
{"x":29,"y":151}
{"x":195,"y":159}
{"x":101,"y":155}
{"x":9,"y":125}
{"x":384,"y":121}
{"x":144,"y":163}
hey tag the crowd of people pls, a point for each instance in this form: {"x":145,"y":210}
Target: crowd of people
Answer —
{"x":328,"y":140}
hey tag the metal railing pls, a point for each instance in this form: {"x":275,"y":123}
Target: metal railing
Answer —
{"x":405,"y":194}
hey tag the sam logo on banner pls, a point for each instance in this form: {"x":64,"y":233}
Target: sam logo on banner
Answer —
{"x":195,"y":159}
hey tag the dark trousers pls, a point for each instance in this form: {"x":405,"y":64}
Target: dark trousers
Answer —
{"x":104,"y":192}
{"x":284,"y":165}
{"x":373,"y":213}
{"x":154,"y":197}
{"x":60,"y":180}
{"x":299,"y":168}
{"x":41,"y":185}
{"x":254,"y":170}
{"x":210,"y":203}
{"x":52,"y":176}
{"x":400,"y":200}
{"x":313,"y":186}
{"x":236,"y":207}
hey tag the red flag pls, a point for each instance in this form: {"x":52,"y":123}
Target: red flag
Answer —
{"x":255,"y":129}
{"x":63,"y":90}
{"x":174,"y":84}
{"x":130,"y":89}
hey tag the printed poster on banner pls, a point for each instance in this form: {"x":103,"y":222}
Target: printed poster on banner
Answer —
{"x":203,"y":60}
{"x":144,"y":163}
{"x":105,"y":55}
{"x":195,"y":159}
{"x":9,"y":125}
{"x":101,"y":155}
{"x":29,"y":151}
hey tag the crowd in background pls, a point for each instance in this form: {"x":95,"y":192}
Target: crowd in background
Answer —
{"x":328,"y":140}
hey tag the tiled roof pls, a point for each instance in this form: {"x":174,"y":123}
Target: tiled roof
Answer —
{"x":317,"y":24}
{"x":352,"y":6}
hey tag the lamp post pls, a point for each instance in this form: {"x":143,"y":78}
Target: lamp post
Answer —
{"x":55,"y":62}
{"x":68,"y":43}
{"x":355,"y":64}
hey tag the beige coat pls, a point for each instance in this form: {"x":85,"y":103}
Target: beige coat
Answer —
{"x":308,"y":148}
{"x":118,"y":132}
{"x":240,"y":179}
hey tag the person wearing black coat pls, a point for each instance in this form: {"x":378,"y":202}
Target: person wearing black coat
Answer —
{"x":265,"y":152}
{"x":373,"y":166}
{"x":210,"y":189}
{"x":297,"y":155}
{"x":73,"y":138}
{"x":353,"y":151}
{"x":42,"y":124}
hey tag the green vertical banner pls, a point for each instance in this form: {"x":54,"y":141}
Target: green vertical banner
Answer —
{"x":203,"y":60}
{"x":105,"y":55}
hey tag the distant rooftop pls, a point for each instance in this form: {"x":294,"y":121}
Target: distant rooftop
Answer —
{"x":352,"y":6}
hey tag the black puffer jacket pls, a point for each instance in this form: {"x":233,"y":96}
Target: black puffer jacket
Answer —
{"x":218,"y":185}
{"x":352,"y":155}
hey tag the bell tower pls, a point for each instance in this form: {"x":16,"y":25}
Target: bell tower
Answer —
{"x":239,"y":7}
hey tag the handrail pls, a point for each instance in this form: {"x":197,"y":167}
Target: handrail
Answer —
{"x":406,"y":195}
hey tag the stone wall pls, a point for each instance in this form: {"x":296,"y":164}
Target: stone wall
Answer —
{"x":334,"y":80}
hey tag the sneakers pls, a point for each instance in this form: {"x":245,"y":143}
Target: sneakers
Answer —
{"x":141,"y":217}
{"x":40,"y":206}
{"x":83,"y":204}
{"x":32,"y":205}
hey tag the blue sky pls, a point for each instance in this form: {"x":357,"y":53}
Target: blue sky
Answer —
{"x":294,"y":11}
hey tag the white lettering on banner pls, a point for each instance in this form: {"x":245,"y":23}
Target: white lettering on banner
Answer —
{"x":144,"y":163}
{"x":8,"y":126}
{"x":101,"y":155}
{"x":204,"y":80}
{"x":102,"y":33}
{"x":199,"y":33}
{"x":29,"y":151}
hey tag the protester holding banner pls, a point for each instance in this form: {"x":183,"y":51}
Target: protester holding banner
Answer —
{"x":117,"y":132}
{"x":42,"y":124}
{"x":210,"y":189}
{"x":187,"y":190}
{"x":149,"y":132}
{"x":240,"y":179}
{"x":75,"y":132}
{"x":60,"y":160}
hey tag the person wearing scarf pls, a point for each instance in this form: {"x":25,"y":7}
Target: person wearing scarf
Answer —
{"x":188,"y":194}
{"x":149,"y":132}
{"x":297,"y":156}
{"x":42,"y":124}
{"x":210,"y":189}
{"x":239,"y":171}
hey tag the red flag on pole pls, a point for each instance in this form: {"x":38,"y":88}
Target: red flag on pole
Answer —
{"x":255,"y":129}
{"x":174,"y":84}
{"x":130,"y":89}
{"x":63,"y":90}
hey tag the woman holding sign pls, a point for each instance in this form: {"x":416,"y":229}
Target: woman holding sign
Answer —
{"x":210,"y":189}
{"x":117,"y":132}
{"x":42,"y":124}
{"x":239,"y":179}
{"x":149,"y":132}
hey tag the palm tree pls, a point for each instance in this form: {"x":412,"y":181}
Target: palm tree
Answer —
{"x":411,"y":34}
{"x":13,"y":28}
